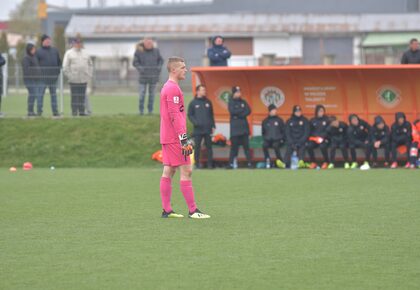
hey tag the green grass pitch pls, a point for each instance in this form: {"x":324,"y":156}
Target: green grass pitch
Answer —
{"x":270,"y":229}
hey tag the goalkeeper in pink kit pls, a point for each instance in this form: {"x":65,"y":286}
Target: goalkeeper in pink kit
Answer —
{"x":176,"y":146}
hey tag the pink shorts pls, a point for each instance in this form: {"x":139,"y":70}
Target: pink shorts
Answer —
{"x":172,"y":155}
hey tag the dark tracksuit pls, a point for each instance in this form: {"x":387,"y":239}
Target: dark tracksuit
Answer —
{"x":338,"y":139}
{"x":411,"y":57}
{"x":32,"y":79}
{"x":218,"y":54}
{"x":382,"y":135}
{"x":239,"y":128}
{"x":200,"y":113}
{"x":273,"y":135}
{"x":400,"y":135}
{"x":358,"y":137}
{"x":297,"y":132}
{"x":318,"y":128}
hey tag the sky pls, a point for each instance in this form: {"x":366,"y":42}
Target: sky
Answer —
{"x":9,"y":5}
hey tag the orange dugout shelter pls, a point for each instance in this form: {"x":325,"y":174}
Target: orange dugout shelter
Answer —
{"x":366,"y":90}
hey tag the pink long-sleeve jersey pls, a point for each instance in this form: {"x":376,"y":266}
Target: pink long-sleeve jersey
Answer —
{"x":173,"y":121}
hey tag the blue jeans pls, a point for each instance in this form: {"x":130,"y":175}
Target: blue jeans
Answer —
{"x":143,"y":88}
{"x":52,"y":86}
{"x":33,"y":95}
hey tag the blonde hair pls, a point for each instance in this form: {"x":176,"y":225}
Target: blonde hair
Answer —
{"x":172,"y":60}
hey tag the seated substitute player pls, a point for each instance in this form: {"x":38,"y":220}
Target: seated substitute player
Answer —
{"x":358,"y":137}
{"x":415,"y":145}
{"x":379,"y":138}
{"x":273,"y":135}
{"x":239,"y":129}
{"x":318,"y":137}
{"x":337,"y":134}
{"x":200,"y":113}
{"x":297,"y":133}
{"x":400,"y":135}
{"x":176,"y":146}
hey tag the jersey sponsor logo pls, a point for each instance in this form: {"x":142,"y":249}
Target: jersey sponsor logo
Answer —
{"x":176,"y":99}
{"x":207,"y":105}
{"x":324,"y":123}
{"x":197,"y":106}
{"x":301,"y":123}
{"x":276,"y":123}
{"x":341,"y":129}
{"x":272,"y":96}
{"x":181,"y":108}
{"x":388,"y":96}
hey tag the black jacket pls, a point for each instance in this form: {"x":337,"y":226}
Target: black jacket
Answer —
{"x":359,"y":134}
{"x":318,"y":126}
{"x":297,"y":130}
{"x":31,"y":70}
{"x":338,"y":134}
{"x":239,"y":110}
{"x":400,"y":133}
{"x":273,"y":128}
{"x":2,"y":63}
{"x":200,"y":113}
{"x":377,"y":134}
{"x":411,"y":57}
{"x":50,"y":62}
{"x":218,"y":54}
{"x":148,"y":64}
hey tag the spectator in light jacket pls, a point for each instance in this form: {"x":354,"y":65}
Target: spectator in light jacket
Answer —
{"x":77,"y":67}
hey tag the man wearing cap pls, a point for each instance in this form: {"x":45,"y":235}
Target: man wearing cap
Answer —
{"x":50,"y":62}
{"x":273,"y":135}
{"x":297,"y":133}
{"x":218,"y":54}
{"x":77,"y":66}
{"x":239,"y":129}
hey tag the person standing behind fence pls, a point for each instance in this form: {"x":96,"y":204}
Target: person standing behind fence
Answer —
{"x":148,"y":62}
{"x":412,"y":56}
{"x":200,"y":113}
{"x":31,"y":78}
{"x":2,"y":63}
{"x":50,"y":63}
{"x":77,"y":67}
{"x":218,"y":54}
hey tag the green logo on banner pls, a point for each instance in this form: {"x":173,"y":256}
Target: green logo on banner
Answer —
{"x":224,"y":96}
{"x":389,"y":96}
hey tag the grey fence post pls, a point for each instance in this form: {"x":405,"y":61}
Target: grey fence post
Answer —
{"x":61,"y":86}
{"x":5,"y":73}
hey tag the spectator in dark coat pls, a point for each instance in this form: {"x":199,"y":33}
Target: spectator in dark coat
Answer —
{"x":148,"y":62}
{"x":200,"y":113}
{"x":2,"y":63}
{"x":273,"y":135}
{"x":31,"y":78}
{"x":412,"y":56}
{"x":50,"y":63}
{"x":218,"y":54}
{"x":239,"y":128}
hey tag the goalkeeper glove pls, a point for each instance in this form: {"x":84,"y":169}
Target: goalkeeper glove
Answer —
{"x":187,"y":144}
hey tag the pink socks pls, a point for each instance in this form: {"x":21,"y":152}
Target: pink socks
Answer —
{"x":166,"y":193}
{"x":188,"y":192}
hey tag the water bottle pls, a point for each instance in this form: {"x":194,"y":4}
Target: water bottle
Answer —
{"x":235,"y":163}
{"x":294,"y":161}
